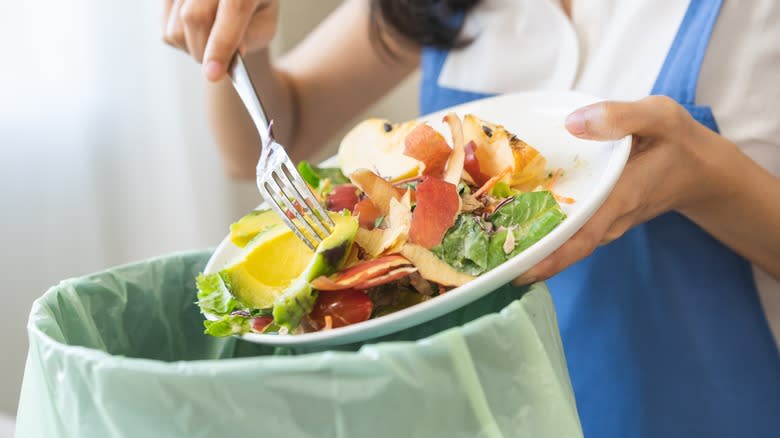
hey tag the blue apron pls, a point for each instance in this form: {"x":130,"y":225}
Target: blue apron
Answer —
{"x":663,"y":330}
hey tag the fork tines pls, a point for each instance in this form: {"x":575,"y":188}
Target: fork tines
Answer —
{"x":292,"y":199}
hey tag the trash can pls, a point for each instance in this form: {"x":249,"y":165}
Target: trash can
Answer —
{"x":122,"y":353}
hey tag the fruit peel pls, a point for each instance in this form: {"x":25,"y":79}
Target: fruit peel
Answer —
{"x":429,"y":147}
{"x":377,"y":189}
{"x":360,"y":273}
{"x":432,"y":268}
{"x":438,"y":204}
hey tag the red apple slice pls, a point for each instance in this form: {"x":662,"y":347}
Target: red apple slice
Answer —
{"x":378,"y":190}
{"x":367,"y":213}
{"x":432,"y":268}
{"x":359,"y":273}
{"x":455,"y":164}
{"x":471,"y":164}
{"x":437,"y":207}
{"x":343,"y":196}
{"x":393,"y":275}
{"x":427,"y":145}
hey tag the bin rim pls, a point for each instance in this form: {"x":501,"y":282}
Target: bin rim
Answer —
{"x":38,"y":312}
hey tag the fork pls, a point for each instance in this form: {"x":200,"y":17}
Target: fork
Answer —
{"x":278,"y":180}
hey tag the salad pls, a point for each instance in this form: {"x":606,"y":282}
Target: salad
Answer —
{"x":415,"y":215}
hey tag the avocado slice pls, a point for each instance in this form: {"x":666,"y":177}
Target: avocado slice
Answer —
{"x":266,"y":267}
{"x":298,"y":299}
{"x":275,"y":269}
{"x":252,"y":224}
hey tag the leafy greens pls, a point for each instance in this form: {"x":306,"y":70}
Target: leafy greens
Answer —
{"x":465,"y":246}
{"x":473,"y":248}
{"x":213,"y":296}
{"x":321,"y":179}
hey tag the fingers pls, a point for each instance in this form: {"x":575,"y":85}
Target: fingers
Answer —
{"x":174,"y":31}
{"x":166,"y":13}
{"x":261,"y":27}
{"x":227,"y":34}
{"x":213,"y":30}
{"x":637,"y":196}
{"x":610,"y":221}
{"x":197,"y":17}
{"x":578,"y":247}
{"x":657,"y":116}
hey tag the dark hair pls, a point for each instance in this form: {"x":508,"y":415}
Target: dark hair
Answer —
{"x":430,"y":23}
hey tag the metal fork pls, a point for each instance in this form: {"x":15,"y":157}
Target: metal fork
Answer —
{"x":278,"y":180}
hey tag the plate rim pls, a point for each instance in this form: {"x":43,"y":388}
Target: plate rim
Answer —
{"x":456,"y":297}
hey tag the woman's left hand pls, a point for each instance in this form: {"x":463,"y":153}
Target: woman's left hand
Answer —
{"x":661,"y":173}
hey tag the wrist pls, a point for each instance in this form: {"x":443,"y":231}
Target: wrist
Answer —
{"x":713,"y":165}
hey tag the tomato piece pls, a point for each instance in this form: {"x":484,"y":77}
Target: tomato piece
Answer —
{"x":342,"y":197}
{"x":261,"y":322}
{"x":345,"y":307}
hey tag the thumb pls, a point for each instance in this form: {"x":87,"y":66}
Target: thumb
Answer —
{"x":226,"y":34}
{"x":652,"y":116}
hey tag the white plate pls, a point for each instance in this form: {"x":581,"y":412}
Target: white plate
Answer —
{"x":591,"y":170}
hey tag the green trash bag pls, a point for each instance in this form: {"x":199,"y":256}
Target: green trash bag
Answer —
{"x":122,"y":354}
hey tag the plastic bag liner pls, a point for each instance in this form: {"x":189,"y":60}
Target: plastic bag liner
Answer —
{"x":122,"y":354}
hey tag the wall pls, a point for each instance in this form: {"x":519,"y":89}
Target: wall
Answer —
{"x":297,"y":18}
{"x":105,"y":154}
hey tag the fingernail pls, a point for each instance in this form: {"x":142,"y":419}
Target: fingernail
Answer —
{"x":213,"y":70}
{"x":575,"y":122}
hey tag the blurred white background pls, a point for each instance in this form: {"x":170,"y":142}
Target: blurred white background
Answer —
{"x":106,"y":152}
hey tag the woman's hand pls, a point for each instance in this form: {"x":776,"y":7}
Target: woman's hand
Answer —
{"x":665,"y":171}
{"x":213,"y":30}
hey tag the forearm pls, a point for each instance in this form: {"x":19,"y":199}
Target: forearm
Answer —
{"x":311,"y":92}
{"x":233,"y":130}
{"x":740,"y":207}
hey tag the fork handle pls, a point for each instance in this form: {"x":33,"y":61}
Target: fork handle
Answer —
{"x":246,"y":90}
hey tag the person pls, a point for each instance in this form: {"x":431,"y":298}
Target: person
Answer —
{"x":659,"y":295}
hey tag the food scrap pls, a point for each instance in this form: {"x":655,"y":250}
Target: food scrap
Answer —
{"x":415,"y":216}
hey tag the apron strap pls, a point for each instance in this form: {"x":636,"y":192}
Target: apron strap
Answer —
{"x":679,"y":75}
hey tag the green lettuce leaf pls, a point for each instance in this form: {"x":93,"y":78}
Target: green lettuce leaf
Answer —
{"x":465,"y":246}
{"x":228,"y":325}
{"x":213,"y":295}
{"x":530,"y":216}
{"x":469,"y":248}
{"x":502,"y":190}
{"x":321,"y":178}
{"x":496,"y":253}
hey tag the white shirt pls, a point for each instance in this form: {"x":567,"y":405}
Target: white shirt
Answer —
{"x":531,"y":44}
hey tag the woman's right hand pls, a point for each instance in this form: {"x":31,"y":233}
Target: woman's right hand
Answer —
{"x":213,"y":30}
